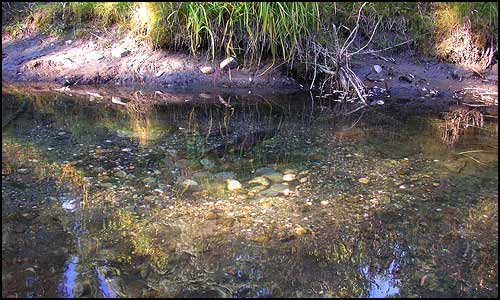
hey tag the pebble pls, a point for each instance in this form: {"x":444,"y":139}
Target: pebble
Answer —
{"x":22,"y":171}
{"x":120,"y":174}
{"x":289,"y":177}
{"x":364,"y":180}
{"x":301,"y":230}
{"x":207,"y":70}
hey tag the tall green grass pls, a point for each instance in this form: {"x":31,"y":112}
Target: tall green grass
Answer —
{"x":230,"y":28}
{"x":257,"y":30}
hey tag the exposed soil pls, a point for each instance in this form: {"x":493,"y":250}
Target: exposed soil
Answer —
{"x":412,"y":80}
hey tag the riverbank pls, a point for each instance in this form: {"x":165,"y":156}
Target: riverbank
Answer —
{"x":101,"y":44}
{"x":70,"y":64}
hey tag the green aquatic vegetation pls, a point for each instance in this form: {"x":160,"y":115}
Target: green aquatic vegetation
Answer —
{"x":137,"y":234}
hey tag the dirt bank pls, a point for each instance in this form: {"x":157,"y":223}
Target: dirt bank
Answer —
{"x":402,"y":78}
{"x":90,"y":61}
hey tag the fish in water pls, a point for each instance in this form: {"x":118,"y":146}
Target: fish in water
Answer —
{"x":243,"y":142}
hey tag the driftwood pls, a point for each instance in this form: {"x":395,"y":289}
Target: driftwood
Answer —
{"x":334,"y":64}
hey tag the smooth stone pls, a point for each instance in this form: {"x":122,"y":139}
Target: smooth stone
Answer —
{"x":364,"y":180}
{"x":270,"y":173}
{"x":225,"y":175}
{"x":22,"y":171}
{"x":207,"y":163}
{"x":149,"y":180}
{"x":275,"y":190}
{"x":260,"y":180}
{"x":207,"y":70}
{"x":289,"y":177}
{"x":233,"y":185}
{"x":301,"y":230}
{"x":190,"y":184}
{"x":257,"y":189}
{"x":229,"y":63}
{"x":120,"y":174}
{"x":106,"y":185}
{"x":275,"y":177}
{"x":264,"y":170}
{"x":201,"y":175}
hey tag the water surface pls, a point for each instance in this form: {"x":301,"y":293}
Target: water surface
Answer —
{"x":106,"y":200}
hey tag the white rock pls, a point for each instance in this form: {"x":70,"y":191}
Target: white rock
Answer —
{"x":119,"y":52}
{"x":377,"y":68}
{"x":117,"y":100}
{"x":229,"y":63}
{"x":233,"y":184}
{"x":94,"y":95}
{"x":289,"y":177}
{"x":207,"y":70}
{"x":96,"y":56}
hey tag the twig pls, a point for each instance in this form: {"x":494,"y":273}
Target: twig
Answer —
{"x":96,"y":36}
{"x":471,"y":151}
{"x":375,"y":51}
{"x":366,"y":45}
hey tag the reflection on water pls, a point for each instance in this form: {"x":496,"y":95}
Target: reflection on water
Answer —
{"x":70,"y":275}
{"x":273,"y":197}
{"x":386,"y":283}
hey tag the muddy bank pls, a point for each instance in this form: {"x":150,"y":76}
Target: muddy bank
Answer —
{"x":410,"y":81}
{"x":84,"y":61}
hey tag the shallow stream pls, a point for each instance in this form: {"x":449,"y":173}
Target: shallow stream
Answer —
{"x":242,"y":197}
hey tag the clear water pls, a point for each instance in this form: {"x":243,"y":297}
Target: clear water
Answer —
{"x":98,"y":200}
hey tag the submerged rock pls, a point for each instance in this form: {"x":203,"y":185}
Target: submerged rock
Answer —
{"x":364,"y":180}
{"x":106,"y":185}
{"x":275,"y":177}
{"x":120,"y":174}
{"x":202,"y":175}
{"x":257,"y":189}
{"x":207,"y":163}
{"x":270,"y":174}
{"x":301,"y":230}
{"x":149,"y":180}
{"x":233,"y":185}
{"x":190,"y":184}
{"x":260,"y":180}
{"x":275,"y":190}
{"x":225,"y":175}
{"x":264,"y":170}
